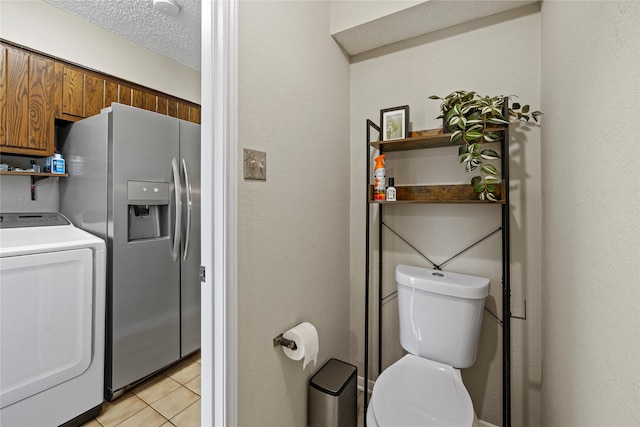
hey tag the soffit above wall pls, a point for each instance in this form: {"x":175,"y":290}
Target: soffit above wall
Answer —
{"x":418,"y":20}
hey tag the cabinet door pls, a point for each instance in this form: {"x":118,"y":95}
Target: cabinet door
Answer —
{"x":93,"y":94}
{"x":162,"y":105}
{"x":172,"y":108}
{"x":72,"y":92}
{"x":194,"y":114}
{"x":57,"y":108}
{"x":30,"y":103}
{"x":17,"y":128}
{"x":110,"y":92}
{"x":43,"y":83}
{"x":137,"y":98}
{"x":124,"y":95}
{"x":150,"y":102}
{"x":183,"y":111}
{"x":3,"y":95}
{"x":82,"y":94}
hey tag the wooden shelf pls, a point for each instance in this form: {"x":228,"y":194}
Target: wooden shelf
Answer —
{"x":462,"y":193}
{"x":27,"y":173}
{"x":430,"y":138}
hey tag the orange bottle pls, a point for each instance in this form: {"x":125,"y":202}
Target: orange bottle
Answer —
{"x":379,"y":186}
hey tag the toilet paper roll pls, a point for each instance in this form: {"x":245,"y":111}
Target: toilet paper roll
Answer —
{"x":305,"y":336}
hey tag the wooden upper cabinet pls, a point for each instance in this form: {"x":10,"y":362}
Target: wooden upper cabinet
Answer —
{"x":111,"y":90}
{"x":93,"y":94}
{"x":124,"y":94}
{"x":172,"y":108}
{"x":30,"y":100}
{"x":162,"y":105}
{"x":17,"y":131}
{"x":183,"y":111}
{"x":82,"y":93}
{"x":3,"y":95}
{"x":150,"y":102}
{"x":137,"y":98}
{"x":36,"y":89}
{"x":72,"y":93}
{"x":194,"y":114}
{"x":44,"y":103}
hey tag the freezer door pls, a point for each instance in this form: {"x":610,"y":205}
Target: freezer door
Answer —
{"x":83,"y":194}
{"x":190,"y":280}
{"x":145,"y":277}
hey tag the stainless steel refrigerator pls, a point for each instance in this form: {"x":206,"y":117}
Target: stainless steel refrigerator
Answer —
{"x":134,"y":180}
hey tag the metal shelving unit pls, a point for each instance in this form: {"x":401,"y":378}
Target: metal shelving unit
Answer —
{"x":439,"y":194}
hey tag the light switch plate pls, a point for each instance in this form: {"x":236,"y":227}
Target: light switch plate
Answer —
{"x":255,"y":164}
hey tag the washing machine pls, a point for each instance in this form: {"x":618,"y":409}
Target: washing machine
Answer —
{"x":52,"y":320}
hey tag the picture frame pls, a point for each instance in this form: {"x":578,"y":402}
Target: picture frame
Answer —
{"x":394,"y":123}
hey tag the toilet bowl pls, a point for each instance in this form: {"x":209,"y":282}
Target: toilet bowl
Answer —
{"x":420,"y":392}
{"x":440,"y":314}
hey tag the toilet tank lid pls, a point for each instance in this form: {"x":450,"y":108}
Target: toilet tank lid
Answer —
{"x":442,"y":282}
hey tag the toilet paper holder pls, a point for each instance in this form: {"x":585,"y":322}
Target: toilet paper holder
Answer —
{"x":280,"y":340}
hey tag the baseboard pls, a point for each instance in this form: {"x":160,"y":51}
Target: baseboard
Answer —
{"x":485,"y":424}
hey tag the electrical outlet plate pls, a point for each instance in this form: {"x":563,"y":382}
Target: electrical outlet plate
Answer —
{"x":255,"y":164}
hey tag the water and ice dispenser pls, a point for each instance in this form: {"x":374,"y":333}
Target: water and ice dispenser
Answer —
{"x":148,"y":209}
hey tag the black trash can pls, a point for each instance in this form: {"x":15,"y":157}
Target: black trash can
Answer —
{"x":333,"y":395}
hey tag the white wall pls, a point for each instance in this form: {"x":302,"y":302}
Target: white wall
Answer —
{"x":40,"y":26}
{"x":407,"y":73}
{"x":591,"y":212}
{"x":15,"y":193}
{"x":293,"y":230}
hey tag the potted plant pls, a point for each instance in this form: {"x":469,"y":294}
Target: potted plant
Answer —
{"x":476,"y":119}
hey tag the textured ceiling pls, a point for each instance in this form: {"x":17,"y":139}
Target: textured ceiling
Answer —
{"x":177,"y":37}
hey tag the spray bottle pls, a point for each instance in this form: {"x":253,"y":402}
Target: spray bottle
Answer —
{"x":379,"y":174}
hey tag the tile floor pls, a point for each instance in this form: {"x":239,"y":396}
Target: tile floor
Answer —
{"x":170,"y":398}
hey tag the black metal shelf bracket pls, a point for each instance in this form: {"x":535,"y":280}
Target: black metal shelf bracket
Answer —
{"x":500,"y":322}
{"x":34,"y":179}
{"x":524,"y":317}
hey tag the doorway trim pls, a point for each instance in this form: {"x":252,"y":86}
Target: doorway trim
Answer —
{"x":219,"y":213}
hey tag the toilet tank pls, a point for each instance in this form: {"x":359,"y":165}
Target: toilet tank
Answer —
{"x":440,"y":314}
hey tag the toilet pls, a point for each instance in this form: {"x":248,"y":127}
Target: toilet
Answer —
{"x":440,"y":316}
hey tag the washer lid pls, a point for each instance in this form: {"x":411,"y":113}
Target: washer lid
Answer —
{"x":420,"y":392}
{"x":32,"y":219}
{"x":15,"y":241}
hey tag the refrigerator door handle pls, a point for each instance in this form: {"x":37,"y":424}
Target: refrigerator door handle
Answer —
{"x":177,"y":188}
{"x":187,"y":185}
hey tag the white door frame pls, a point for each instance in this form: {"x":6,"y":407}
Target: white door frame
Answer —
{"x":219,"y":212}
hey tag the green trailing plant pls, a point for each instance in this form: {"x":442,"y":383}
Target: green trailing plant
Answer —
{"x":474,"y":120}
